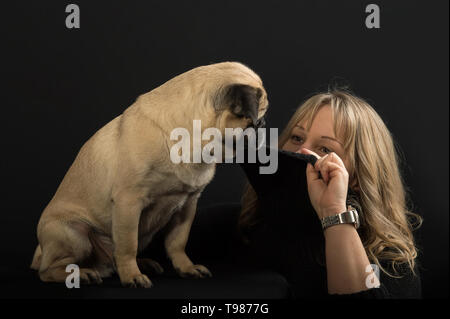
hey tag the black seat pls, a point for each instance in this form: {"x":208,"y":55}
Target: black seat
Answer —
{"x":210,"y":243}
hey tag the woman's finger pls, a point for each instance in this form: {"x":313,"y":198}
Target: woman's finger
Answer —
{"x":336,"y":159}
{"x":311,"y":173}
{"x":307,"y":151}
{"x":320,"y":161}
{"x":338,"y":171}
{"x":328,"y":170}
{"x":329,"y":158}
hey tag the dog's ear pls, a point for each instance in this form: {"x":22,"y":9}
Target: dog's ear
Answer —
{"x":243,"y":101}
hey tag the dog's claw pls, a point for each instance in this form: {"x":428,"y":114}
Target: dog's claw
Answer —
{"x":194,"y":271}
{"x":147,"y":265}
{"x":139,"y":281}
{"x":90,"y":276}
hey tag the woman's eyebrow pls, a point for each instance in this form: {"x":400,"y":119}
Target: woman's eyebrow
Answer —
{"x":333,"y":139}
{"x":325,"y":137}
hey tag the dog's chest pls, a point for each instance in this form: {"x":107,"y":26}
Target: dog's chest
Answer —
{"x":194,"y":178}
{"x":168,"y":195}
{"x":159,"y":212}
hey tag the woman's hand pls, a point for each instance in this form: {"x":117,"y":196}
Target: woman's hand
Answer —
{"x":328,"y":195}
{"x":345,"y":256}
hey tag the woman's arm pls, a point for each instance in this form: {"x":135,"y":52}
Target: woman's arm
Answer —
{"x":346,"y":258}
{"x":346,"y":261}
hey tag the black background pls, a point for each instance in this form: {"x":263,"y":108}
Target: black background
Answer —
{"x":61,"y":85}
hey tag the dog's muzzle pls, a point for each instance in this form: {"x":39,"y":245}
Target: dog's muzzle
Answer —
{"x":259,"y":123}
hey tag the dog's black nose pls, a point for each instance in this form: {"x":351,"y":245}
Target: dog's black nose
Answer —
{"x":260,"y":122}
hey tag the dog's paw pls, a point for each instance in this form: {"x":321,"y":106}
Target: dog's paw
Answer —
{"x":147,"y":265}
{"x":194,"y":271}
{"x":90,"y":276}
{"x":138,"y":281}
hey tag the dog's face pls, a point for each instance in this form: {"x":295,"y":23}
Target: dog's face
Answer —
{"x":245,"y":106}
{"x":228,"y":96}
{"x":241,"y":106}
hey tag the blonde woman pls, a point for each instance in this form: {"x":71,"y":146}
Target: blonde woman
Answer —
{"x":355,"y":155}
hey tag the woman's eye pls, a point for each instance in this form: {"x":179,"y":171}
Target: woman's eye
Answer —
{"x":297,"y":139}
{"x":325,"y":150}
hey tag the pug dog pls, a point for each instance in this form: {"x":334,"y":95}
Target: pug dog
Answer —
{"x":123,"y":188}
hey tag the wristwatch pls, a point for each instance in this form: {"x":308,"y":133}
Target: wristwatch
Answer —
{"x":349,"y":217}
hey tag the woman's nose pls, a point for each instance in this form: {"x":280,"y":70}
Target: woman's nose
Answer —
{"x":307,"y":145}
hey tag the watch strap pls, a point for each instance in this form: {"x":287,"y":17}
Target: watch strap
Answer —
{"x":349,"y":217}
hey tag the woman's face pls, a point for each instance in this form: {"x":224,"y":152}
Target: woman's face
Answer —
{"x":320,"y":138}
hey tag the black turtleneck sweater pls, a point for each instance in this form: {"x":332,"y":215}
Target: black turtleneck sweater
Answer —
{"x":288,"y":236}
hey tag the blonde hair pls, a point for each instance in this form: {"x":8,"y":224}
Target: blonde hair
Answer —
{"x":386,"y":223}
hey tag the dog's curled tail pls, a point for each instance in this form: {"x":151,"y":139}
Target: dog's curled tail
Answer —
{"x":36,"y":263}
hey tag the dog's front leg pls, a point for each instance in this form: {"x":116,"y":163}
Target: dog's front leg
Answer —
{"x":125,"y":228}
{"x":177,"y":237}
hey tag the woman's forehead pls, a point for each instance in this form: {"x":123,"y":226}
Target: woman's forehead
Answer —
{"x":322,"y":121}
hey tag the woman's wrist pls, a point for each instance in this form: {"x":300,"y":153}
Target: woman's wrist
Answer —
{"x":339,"y":231}
{"x":331,"y":211}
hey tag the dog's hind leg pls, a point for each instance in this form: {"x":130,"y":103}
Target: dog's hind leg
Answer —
{"x":36,"y":258}
{"x":65,"y":243}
